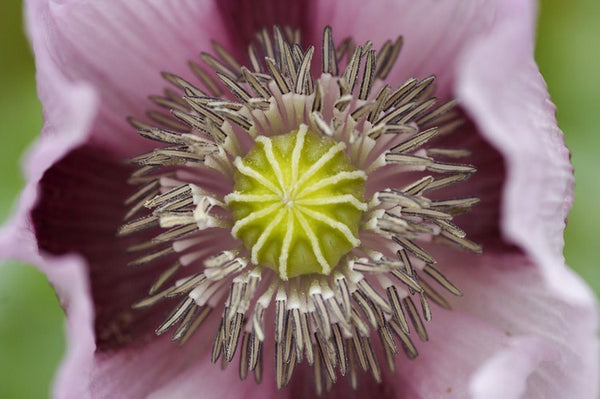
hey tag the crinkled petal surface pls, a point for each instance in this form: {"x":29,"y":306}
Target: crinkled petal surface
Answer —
{"x":503,"y":91}
{"x":120,"y":48}
{"x":548,"y":348}
{"x":525,"y":321}
{"x":72,"y":114}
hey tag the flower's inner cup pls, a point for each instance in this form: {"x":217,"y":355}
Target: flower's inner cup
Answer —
{"x":297,"y":203}
{"x":284,"y":195}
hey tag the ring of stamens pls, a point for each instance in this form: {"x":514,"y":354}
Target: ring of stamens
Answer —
{"x":327,"y":313}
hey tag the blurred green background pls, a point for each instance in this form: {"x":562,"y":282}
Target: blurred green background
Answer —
{"x":31,"y":322}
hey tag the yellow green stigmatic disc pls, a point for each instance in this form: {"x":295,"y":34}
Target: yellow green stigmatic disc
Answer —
{"x":297,"y":202}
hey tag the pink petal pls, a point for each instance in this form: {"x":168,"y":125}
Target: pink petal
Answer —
{"x":207,"y":380}
{"x":459,"y":343}
{"x":138,"y":371}
{"x":502,"y":91}
{"x":504,"y":375}
{"x":435,"y":32}
{"x":507,"y":328}
{"x":179,"y":372}
{"x":72,"y":114}
{"x":120,"y":48}
{"x":510,"y":293}
{"x":68,"y":276}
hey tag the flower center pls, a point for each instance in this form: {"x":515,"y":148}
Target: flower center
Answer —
{"x":297,"y":203}
{"x":256,"y":205}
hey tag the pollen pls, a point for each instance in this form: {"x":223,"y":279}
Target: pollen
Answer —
{"x":297,"y":203}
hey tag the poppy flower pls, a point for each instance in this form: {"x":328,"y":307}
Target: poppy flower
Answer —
{"x":337,"y":197}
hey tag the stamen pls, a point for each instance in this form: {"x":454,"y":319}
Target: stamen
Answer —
{"x":368,"y":75}
{"x":208,"y":81}
{"x":164,"y":277}
{"x":185,"y":330}
{"x":329,"y":57}
{"x":415,"y":318}
{"x":303,"y":78}
{"x":387,"y":57}
{"x":218,"y":66}
{"x":398,"y":313}
{"x":407,"y":345}
{"x":151,"y":257}
{"x":256,"y":205}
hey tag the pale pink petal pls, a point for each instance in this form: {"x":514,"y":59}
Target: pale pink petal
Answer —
{"x":505,"y":375}
{"x":139,"y":370}
{"x":68,"y":276}
{"x":72,"y":113}
{"x":508,"y":327}
{"x":435,"y":32}
{"x":511,"y":293}
{"x":207,"y":380}
{"x":459,"y":343}
{"x":120,"y":48}
{"x":503,"y":92}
